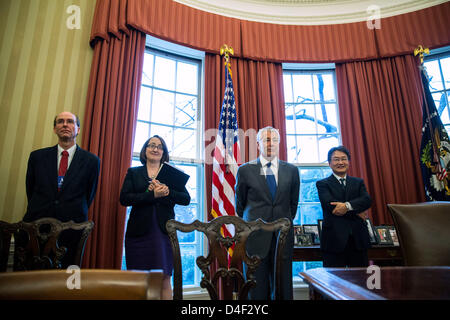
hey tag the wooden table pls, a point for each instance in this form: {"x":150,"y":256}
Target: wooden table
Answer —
{"x":379,"y":255}
{"x":396,"y":283}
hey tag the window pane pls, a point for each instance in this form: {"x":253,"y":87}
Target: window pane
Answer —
{"x":147,"y":73}
{"x":188,"y":265}
{"x":164,"y":73}
{"x":185,"y":111}
{"x":308,"y":149}
{"x":142,"y":134}
{"x":187,"y":78}
{"x":144,"y":104}
{"x":327,"y":119}
{"x":287,"y":83}
{"x":326,"y":142}
{"x":445,"y":66}
{"x":302,"y":88}
{"x":184,"y":143}
{"x":445,"y":114}
{"x":305,"y":118}
{"x":292,"y":152}
{"x":186,"y":214}
{"x":135,"y":162}
{"x":162,"y":110}
{"x":309,"y":213}
{"x":164,"y":132}
{"x":434,"y":74}
{"x":324,"y":88}
{"x":289,"y":113}
{"x":308,"y":190}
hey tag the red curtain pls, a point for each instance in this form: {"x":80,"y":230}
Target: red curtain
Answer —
{"x":108,"y":132}
{"x":172,"y":21}
{"x":381,"y":119}
{"x":258,"y":88}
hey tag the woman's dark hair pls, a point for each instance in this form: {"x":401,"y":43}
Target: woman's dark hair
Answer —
{"x":165,"y":156}
{"x":341,"y":149}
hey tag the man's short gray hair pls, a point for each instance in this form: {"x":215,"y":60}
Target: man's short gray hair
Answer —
{"x":261,"y":131}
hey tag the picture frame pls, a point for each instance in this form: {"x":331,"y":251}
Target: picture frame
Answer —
{"x":383,"y":235}
{"x":394,"y":237}
{"x":312,"y":229}
{"x":370,"y":228}
{"x":301,"y":238}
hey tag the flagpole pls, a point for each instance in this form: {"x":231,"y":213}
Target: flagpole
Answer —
{"x":226,"y":51}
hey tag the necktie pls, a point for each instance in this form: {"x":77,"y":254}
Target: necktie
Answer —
{"x":270,"y":178}
{"x":342,"y":180}
{"x":62,"y":168}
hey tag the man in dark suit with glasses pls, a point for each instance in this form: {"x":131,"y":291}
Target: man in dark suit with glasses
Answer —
{"x":61,"y":180}
{"x":345,"y":237}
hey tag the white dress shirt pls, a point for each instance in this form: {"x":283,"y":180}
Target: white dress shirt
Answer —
{"x":71,"y":152}
{"x":347,"y":204}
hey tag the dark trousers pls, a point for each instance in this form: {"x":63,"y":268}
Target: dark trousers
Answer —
{"x":350,"y":257}
{"x":265,"y":278}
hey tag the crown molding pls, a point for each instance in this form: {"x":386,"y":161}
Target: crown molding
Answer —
{"x":308,"y":12}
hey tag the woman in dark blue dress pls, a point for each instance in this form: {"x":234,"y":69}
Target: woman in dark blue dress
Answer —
{"x":147,"y":245}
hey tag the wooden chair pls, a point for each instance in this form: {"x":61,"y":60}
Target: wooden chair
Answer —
{"x":423,"y":232}
{"x":37,"y":244}
{"x":234,"y":285}
{"x":81,"y":284}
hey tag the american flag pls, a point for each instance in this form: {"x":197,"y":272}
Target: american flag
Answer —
{"x":226,"y":158}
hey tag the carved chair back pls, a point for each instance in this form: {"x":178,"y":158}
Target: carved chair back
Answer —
{"x":218,"y":264}
{"x":37,"y":244}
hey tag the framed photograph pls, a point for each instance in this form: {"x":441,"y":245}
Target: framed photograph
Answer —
{"x":319,"y":224}
{"x":314,"y":230}
{"x":297,"y":231}
{"x":370,"y":228}
{"x":383,"y":235}
{"x":393,"y":234}
{"x":301,"y":238}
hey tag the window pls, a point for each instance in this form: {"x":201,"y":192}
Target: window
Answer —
{"x":312,"y":128}
{"x":438,"y":69}
{"x":170,"y":106}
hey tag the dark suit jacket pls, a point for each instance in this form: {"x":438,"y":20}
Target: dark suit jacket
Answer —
{"x":337,"y":229}
{"x":253,"y":201}
{"x":134,"y":194}
{"x":77,"y":192}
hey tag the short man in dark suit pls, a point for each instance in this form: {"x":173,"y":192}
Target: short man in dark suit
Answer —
{"x":268,"y":188}
{"x":61,"y":181}
{"x":345,"y":238}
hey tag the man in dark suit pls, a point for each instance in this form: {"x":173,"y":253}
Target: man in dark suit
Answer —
{"x":61,"y":181}
{"x":345,"y":238}
{"x":268,"y":188}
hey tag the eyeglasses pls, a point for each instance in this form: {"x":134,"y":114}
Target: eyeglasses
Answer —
{"x":62,"y":121}
{"x":153,"y":146}
{"x":343,"y":159}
